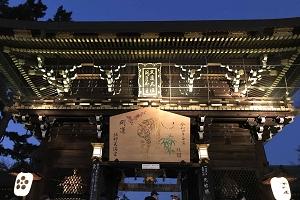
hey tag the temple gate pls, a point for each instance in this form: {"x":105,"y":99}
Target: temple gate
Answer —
{"x":193,"y":101}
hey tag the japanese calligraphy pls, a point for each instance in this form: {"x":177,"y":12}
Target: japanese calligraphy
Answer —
{"x":149,"y":79}
{"x":204,"y":173}
{"x":178,"y":152}
{"x":183,"y":132}
{"x":115,"y":144}
{"x":122,"y":126}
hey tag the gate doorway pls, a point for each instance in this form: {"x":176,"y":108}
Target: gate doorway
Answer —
{"x":133,"y":191}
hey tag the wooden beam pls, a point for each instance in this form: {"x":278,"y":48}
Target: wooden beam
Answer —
{"x":143,"y":187}
{"x":106,"y":52}
{"x":191,"y":113}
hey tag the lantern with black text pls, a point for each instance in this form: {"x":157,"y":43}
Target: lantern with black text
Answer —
{"x":280,"y":188}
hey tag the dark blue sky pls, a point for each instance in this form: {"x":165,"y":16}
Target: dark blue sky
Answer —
{"x":93,"y":10}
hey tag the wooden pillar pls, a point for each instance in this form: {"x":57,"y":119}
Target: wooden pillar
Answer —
{"x":205,"y":176}
{"x":94,"y":186}
{"x":104,"y":179}
{"x":96,"y":176}
{"x":104,"y":182}
{"x":206,"y":182}
{"x":184,"y":187}
{"x":42,"y":159}
{"x":261,"y":159}
{"x":110,"y":179}
{"x":193,"y":184}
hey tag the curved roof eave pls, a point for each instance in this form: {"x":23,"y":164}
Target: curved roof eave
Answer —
{"x":153,"y":26}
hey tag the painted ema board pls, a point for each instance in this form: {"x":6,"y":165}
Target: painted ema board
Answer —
{"x":150,"y":135}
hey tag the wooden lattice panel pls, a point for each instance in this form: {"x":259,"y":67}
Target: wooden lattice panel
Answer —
{"x":228,"y":184}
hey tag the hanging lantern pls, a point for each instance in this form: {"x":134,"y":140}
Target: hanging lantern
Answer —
{"x":280,"y":188}
{"x":97,"y":151}
{"x":23,"y":184}
{"x":202,"y":152}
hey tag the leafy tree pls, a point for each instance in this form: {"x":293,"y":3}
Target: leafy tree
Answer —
{"x":298,"y":150}
{"x":30,"y":10}
{"x":125,"y":197}
{"x":62,"y":15}
{"x":22,"y":149}
{"x":4,"y":119}
{"x":3,"y":3}
{"x":39,"y":9}
{"x":4,"y":8}
{"x":3,"y":166}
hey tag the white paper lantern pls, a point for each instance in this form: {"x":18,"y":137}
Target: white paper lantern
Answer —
{"x":23,"y":184}
{"x":97,"y":150}
{"x":202,"y":151}
{"x":280,"y":188}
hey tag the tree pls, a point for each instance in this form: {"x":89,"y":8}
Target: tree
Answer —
{"x":298,"y":150}
{"x":125,"y":197}
{"x":22,"y":149}
{"x":4,"y":3}
{"x":30,"y":10}
{"x":4,"y":8}
{"x":4,"y":123}
{"x":4,"y":119}
{"x":3,"y":166}
{"x":62,"y":15}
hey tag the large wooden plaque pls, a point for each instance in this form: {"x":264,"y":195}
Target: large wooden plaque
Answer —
{"x":149,"y":135}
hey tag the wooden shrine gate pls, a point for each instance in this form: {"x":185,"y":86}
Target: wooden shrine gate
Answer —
{"x":205,"y":98}
{"x":151,"y":144}
{"x":73,"y":171}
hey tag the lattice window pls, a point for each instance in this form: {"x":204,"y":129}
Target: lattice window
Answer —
{"x":6,"y":193}
{"x":70,"y":187}
{"x":72,"y":184}
{"x":231,"y":183}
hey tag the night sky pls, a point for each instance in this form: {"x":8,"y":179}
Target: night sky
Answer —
{"x":281,"y":150}
{"x":144,"y":10}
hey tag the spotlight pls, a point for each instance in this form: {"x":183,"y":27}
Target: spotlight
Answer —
{"x":43,"y":126}
{"x":260,"y":128}
{"x":42,"y":118}
{"x":280,"y":120}
{"x":201,"y":135}
{"x":98,"y":118}
{"x":290,"y":119}
{"x":202,"y":119}
{"x":279,"y":128}
{"x":25,"y":118}
{"x":261,"y":120}
{"x":44,"y":133}
{"x":259,"y":135}
{"x":99,"y":134}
